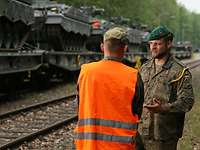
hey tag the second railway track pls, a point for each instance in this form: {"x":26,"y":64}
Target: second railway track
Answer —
{"x":23,"y":124}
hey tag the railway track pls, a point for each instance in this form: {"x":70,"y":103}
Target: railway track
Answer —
{"x":28,"y":123}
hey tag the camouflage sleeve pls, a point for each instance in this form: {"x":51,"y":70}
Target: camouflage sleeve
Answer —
{"x":185,"y":95}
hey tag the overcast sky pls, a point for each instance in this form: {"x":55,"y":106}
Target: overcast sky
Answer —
{"x":192,"y":5}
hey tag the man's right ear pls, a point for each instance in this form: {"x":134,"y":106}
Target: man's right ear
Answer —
{"x":102,"y":47}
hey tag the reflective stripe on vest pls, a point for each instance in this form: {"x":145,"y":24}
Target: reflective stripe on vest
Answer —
{"x":109,"y":123}
{"x":104,"y":137}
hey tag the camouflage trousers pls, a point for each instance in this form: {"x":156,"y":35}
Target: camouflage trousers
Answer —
{"x":170,"y":144}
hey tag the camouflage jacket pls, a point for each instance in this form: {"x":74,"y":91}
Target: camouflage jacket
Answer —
{"x":171,"y":84}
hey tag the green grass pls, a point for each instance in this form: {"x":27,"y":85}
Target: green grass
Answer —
{"x":191,"y":133}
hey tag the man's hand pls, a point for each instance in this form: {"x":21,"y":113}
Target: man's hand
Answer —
{"x":157,"y":106}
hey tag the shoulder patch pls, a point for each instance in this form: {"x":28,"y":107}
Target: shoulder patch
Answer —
{"x":180,"y":76}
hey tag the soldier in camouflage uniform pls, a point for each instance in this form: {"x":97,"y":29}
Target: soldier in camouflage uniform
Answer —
{"x":168,"y":94}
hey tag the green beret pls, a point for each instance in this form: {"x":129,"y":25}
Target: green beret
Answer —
{"x":116,"y":33}
{"x":159,"y":32}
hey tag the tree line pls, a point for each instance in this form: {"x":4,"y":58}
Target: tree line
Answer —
{"x":184,"y":24}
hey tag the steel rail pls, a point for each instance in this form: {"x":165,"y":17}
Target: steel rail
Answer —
{"x":24,"y":109}
{"x":61,"y":116}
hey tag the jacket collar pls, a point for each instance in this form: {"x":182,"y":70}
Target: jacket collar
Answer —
{"x":112,"y":58}
{"x":166,"y":65}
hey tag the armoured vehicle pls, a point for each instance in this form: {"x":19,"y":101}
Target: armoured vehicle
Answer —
{"x":36,"y":34}
{"x":100,"y":25}
{"x":182,"y":50}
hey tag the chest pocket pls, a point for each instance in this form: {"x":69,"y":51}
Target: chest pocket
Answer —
{"x":145,"y":80}
{"x":162,"y":88}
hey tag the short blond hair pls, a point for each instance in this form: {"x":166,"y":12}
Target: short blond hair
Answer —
{"x":114,"y":44}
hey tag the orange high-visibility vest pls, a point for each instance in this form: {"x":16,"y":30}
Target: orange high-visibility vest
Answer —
{"x":106,"y":122}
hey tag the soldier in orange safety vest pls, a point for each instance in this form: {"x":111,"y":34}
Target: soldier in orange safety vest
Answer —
{"x":110,"y":96}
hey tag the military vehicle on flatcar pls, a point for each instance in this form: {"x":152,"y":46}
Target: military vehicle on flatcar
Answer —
{"x":100,"y":25}
{"x":182,"y":50}
{"x":36,"y":34}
